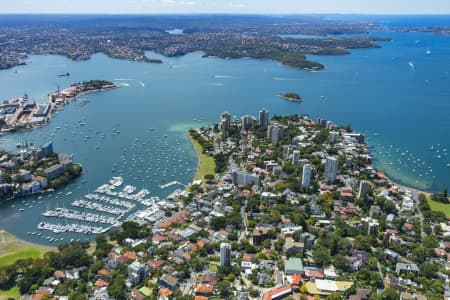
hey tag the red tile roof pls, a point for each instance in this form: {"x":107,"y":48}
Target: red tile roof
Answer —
{"x":408,"y":226}
{"x":297,"y":279}
{"x":59,"y":274}
{"x":314,"y":273}
{"x":269,"y":295}
{"x":130,"y":255}
{"x":39,"y":294}
{"x":204,"y":289}
{"x":103,"y":272}
{"x":100,"y":283}
{"x":156,"y":263}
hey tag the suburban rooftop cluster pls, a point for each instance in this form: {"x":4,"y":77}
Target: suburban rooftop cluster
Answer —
{"x":294,"y":211}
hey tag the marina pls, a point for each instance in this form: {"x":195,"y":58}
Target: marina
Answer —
{"x":107,"y":206}
{"x":81,"y":216}
{"x":74,"y":227}
{"x":99,"y":207}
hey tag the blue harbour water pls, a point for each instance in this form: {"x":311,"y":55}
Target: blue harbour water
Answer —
{"x":399,"y":95}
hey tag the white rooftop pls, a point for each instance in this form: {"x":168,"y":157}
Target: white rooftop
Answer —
{"x":326,"y":285}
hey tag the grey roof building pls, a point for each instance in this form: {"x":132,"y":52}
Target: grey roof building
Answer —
{"x":402,"y":268}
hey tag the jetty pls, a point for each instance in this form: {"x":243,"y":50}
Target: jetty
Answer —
{"x":172,"y":183}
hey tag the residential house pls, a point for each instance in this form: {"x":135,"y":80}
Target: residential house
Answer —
{"x":291,"y":247}
{"x":294,"y":266}
{"x":401,"y":268}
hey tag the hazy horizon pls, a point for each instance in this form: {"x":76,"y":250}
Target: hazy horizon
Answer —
{"x":219,"y":13}
{"x":271,"y":7}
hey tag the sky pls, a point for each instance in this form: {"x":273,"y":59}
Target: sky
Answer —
{"x":227,"y":6}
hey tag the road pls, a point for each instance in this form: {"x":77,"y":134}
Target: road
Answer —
{"x":415,"y":197}
{"x":190,"y":285}
{"x":280,"y":277}
{"x":244,"y":232}
{"x":379,"y":271}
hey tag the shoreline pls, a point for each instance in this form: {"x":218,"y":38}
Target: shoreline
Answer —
{"x":413,"y":189}
{"x":24,"y":245}
{"x":24,"y":242}
{"x":13,"y":248}
{"x":53,"y":106}
{"x":2,"y":231}
{"x":191,"y":139}
{"x":205,"y":164}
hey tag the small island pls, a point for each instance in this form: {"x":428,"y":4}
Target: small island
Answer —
{"x":294,"y":97}
{"x":18,"y":114}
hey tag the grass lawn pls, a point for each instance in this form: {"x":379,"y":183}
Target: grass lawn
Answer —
{"x":213,"y":267}
{"x":438,"y":206}
{"x":9,"y":259}
{"x":12,"y":249}
{"x":12,"y":293}
{"x":206,"y":164}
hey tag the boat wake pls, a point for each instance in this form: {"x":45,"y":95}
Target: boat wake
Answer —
{"x":285,"y":79}
{"x":177,"y":66}
{"x":223,"y":76}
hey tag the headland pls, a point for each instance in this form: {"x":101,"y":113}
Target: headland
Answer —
{"x":21,"y":114}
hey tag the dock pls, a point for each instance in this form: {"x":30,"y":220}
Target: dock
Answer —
{"x":172,"y":183}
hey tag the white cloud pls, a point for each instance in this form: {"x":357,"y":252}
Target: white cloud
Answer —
{"x":177,"y":2}
{"x":237,"y":5}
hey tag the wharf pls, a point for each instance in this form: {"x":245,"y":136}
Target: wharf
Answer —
{"x":172,"y":183}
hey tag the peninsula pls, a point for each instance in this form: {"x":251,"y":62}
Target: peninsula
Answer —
{"x":219,"y":36}
{"x":19,"y":114}
{"x":34,"y":170}
{"x":293,"y":208}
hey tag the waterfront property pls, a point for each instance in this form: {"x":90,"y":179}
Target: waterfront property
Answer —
{"x":314,"y":242}
{"x":34,"y":170}
{"x":19,"y":114}
{"x":221,"y":200}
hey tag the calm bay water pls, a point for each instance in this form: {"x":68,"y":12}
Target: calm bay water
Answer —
{"x":398,"y":95}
